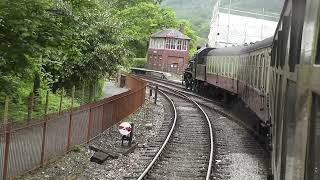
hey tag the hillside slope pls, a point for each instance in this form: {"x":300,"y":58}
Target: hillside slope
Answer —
{"x":199,"y":12}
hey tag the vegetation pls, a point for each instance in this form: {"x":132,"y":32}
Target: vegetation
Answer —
{"x":199,"y":12}
{"x":139,"y":62}
{"x":48,"y":45}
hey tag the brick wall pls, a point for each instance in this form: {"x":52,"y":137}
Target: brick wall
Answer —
{"x":172,"y":61}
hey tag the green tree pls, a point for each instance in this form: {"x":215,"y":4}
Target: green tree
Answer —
{"x":61,"y":42}
{"x":190,"y":33}
{"x":141,"y":21}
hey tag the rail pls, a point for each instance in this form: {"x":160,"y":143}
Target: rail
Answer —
{"x":24,"y":147}
{"x":149,"y":167}
{"x":145,"y":172}
{"x":210,"y":129}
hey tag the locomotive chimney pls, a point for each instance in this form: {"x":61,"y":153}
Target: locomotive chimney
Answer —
{"x":181,"y":29}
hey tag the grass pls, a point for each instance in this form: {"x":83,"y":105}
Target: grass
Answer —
{"x":18,"y":108}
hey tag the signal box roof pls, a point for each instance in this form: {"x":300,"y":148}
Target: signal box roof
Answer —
{"x":170,"y":33}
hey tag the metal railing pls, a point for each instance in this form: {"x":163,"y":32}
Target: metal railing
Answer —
{"x":24,"y":147}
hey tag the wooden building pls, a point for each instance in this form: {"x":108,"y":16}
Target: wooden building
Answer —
{"x":168,"y":51}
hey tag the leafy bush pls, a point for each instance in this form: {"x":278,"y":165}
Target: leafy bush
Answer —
{"x":139,"y":62}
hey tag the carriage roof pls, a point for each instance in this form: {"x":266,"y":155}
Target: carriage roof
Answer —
{"x":242,"y":49}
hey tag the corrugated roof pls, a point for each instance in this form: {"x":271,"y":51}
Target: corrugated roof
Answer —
{"x":172,"y":33}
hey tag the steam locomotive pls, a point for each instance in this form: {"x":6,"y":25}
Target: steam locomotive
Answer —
{"x":278,"y":80}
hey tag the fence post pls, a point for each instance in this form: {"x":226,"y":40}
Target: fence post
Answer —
{"x":30,"y":106}
{"x":95,"y":90}
{"x":73,"y":92}
{"x":89,"y":125}
{"x":44,"y":130}
{"x":6,"y":111}
{"x":83,"y":100}
{"x":46,"y":108}
{"x":6,"y":151}
{"x":69,"y":131}
{"x":61,"y":98}
{"x":70,"y":120}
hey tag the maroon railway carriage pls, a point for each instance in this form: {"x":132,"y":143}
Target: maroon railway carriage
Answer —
{"x":241,"y":71}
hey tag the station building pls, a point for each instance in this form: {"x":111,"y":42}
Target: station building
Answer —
{"x":168,"y":51}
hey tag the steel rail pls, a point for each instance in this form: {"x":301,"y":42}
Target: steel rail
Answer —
{"x":145,"y":172}
{"x":210,"y":129}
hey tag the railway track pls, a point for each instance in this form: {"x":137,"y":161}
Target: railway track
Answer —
{"x":237,"y":153}
{"x":187,"y":151}
{"x":221,"y":107}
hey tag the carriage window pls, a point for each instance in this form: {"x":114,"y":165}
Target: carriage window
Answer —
{"x":215,"y":66}
{"x":243,"y":69}
{"x":211,"y":66}
{"x":221,"y":66}
{"x":262,"y":79}
{"x":251,"y":70}
{"x":313,"y":159}
{"x":267,"y":62}
{"x":233,"y":67}
{"x":218,"y":66}
{"x":257,"y":75}
{"x":224,"y":66}
{"x":229,"y":66}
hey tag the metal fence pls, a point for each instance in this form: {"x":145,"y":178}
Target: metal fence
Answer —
{"x":24,"y":147}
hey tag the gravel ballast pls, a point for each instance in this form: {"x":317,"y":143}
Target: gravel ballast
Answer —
{"x":76,"y":164}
